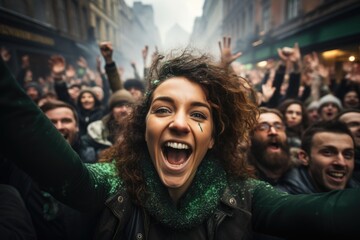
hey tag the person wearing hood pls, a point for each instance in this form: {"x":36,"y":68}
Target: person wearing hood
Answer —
{"x":103,"y":133}
{"x":89,"y":109}
{"x":34,"y":91}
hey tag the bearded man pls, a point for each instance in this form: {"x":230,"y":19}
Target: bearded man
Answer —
{"x":269,"y":151}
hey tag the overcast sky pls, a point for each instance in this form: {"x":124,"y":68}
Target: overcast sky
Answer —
{"x":169,"y":12}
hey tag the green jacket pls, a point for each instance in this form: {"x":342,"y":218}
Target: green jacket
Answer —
{"x":28,"y":138}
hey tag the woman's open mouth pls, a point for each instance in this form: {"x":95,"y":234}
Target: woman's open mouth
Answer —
{"x":176,"y":153}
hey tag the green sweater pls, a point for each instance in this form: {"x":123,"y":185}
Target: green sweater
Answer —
{"x":30,"y":139}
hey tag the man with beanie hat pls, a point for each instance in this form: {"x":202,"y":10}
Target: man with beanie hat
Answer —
{"x":329,"y":107}
{"x":103,"y":133}
{"x":135,"y":87}
{"x":312,"y":112}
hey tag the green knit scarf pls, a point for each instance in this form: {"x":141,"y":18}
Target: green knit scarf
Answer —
{"x":198,"y":202}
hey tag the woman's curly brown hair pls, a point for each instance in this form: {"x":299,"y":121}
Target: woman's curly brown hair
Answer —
{"x":233,"y":115}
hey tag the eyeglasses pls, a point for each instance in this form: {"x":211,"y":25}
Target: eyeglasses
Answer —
{"x":264,"y":126}
{"x":353,"y":124}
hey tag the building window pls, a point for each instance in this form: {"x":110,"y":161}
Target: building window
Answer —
{"x":76,"y":21}
{"x":104,"y":6}
{"x":85,"y":20}
{"x":40,"y":10}
{"x":43,"y":11}
{"x":62,"y":16}
{"x":266,"y":18}
{"x":292,"y":9}
{"x":97,"y":30}
{"x":107,"y":34}
{"x":19,"y":6}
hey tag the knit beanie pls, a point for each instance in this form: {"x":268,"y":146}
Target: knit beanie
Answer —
{"x":313,"y":105}
{"x":120,"y":96}
{"x":36,"y":86}
{"x":329,"y":98}
{"x":134,"y":83}
{"x":88,"y":90}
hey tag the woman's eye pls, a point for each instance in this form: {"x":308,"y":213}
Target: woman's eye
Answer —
{"x":161,"y":110}
{"x":199,"y":115}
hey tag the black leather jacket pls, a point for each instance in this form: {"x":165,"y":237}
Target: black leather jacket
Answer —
{"x":122,"y":220}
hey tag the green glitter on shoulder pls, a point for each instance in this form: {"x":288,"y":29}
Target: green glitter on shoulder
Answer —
{"x":243,"y":188}
{"x":105,"y":175}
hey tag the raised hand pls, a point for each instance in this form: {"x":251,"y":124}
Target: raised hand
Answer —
{"x":5,"y":54}
{"x":98,"y":64}
{"x":155,"y":54}
{"x":225,"y":50}
{"x":144,"y":53}
{"x":25,"y":61}
{"x":267,"y":92}
{"x":57,"y":65}
{"x":82,"y":62}
{"x":106,"y":50}
{"x":70,"y":72}
{"x":292,"y":55}
{"x":323,"y":71}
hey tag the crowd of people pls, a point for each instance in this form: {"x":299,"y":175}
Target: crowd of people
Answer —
{"x":198,"y":148}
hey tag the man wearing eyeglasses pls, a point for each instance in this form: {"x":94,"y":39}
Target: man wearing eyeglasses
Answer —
{"x":269,"y":150}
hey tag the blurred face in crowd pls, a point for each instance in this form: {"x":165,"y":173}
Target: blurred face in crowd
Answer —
{"x":179,"y":132}
{"x":352,"y":121}
{"x":28,"y":76}
{"x":269,"y":142}
{"x":121,"y":111}
{"x":64,"y":120}
{"x":74,"y":93}
{"x":87,"y":101}
{"x":32,"y":93}
{"x":313,"y":115}
{"x":331,"y":160}
{"x":328,"y":111}
{"x":293,"y":115}
{"x":351,"y":100}
{"x":136,"y":93}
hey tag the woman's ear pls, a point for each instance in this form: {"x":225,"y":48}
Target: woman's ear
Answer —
{"x":211,"y":143}
{"x":303,"y":157}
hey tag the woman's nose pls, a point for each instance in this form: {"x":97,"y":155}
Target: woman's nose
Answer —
{"x":180,"y":123}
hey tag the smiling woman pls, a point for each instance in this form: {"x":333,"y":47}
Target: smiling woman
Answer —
{"x":182,"y":172}
{"x":176,"y":144}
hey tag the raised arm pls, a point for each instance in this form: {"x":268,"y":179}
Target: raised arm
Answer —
{"x":30,"y":140}
{"x":57,"y":66}
{"x":322,"y":215}
{"x":113,"y":76}
{"x":227,"y":57}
